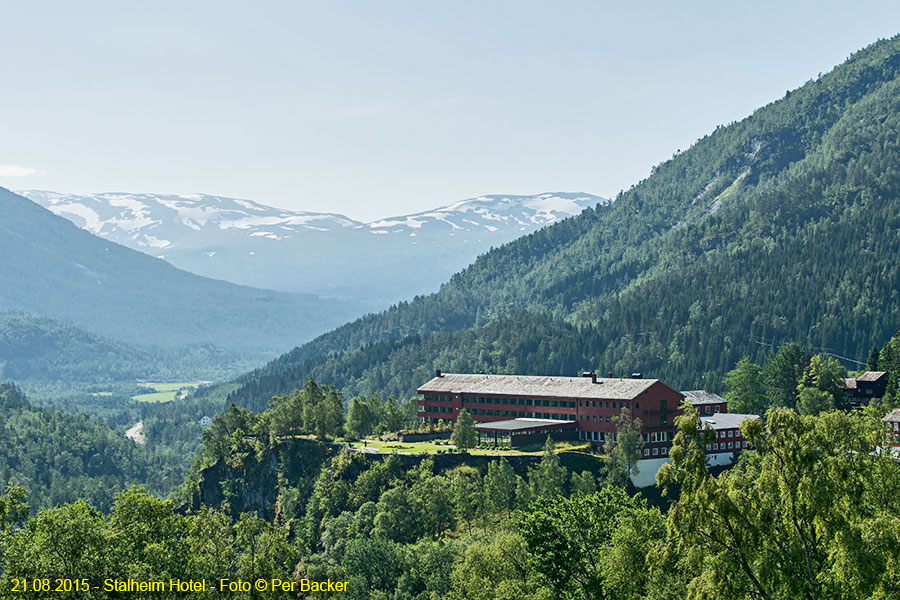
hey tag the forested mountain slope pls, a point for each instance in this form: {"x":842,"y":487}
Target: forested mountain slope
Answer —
{"x":59,"y":457}
{"x":52,"y":268}
{"x":40,"y":349}
{"x":780,"y":227}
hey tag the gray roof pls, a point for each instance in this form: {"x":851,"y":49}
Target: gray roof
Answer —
{"x":871,"y":376}
{"x":849,"y":383}
{"x":517,"y":424}
{"x":893,"y":416}
{"x":726,"y":420}
{"x":538,"y":386}
{"x":703,"y":397}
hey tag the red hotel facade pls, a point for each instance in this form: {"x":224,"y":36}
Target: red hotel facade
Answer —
{"x":590,"y":402}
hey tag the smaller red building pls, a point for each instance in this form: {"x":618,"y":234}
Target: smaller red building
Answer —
{"x":727,"y":427}
{"x":706,"y":403}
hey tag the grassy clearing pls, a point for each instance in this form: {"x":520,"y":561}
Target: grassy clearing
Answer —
{"x":560,"y":447}
{"x":155,"y":397}
{"x":432,"y":448}
{"x":165,"y":392}
{"x":401,"y":447}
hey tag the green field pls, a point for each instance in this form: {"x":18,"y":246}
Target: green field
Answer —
{"x":165,"y":392}
{"x":401,"y":447}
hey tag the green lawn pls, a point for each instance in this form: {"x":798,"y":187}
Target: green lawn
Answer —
{"x":560,"y":447}
{"x":431,"y":448}
{"x":164,"y":392}
{"x":155,"y":397}
{"x":401,"y":447}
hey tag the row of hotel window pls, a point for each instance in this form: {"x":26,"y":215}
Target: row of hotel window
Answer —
{"x":649,"y":438}
{"x":731,"y":446}
{"x":491,"y":412}
{"x":663,"y":419}
{"x":600,"y":403}
{"x":709,"y":448}
{"x":547,"y":403}
{"x":596,"y":436}
{"x":657,"y":451}
{"x":508,"y":401}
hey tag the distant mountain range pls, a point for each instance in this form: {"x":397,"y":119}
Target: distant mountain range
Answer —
{"x":326,"y":254}
{"x":53,"y":269}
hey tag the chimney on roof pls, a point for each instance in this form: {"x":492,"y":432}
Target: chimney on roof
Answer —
{"x":438,"y":373}
{"x":609,"y":375}
{"x":635,"y":375}
{"x":590,"y":374}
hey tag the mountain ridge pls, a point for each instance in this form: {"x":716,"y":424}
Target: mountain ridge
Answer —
{"x":326,"y":254}
{"x":779,"y":227}
{"x":58,"y":270}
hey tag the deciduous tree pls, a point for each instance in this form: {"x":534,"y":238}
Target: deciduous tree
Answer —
{"x":811,"y":514}
{"x":746,"y":390}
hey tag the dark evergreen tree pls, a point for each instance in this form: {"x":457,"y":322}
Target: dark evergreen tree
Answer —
{"x":872,"y":362}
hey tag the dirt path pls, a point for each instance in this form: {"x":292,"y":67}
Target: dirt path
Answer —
{"x":136,"y":433}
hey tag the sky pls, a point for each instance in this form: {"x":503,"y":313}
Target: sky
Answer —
{"x":374,"y":109}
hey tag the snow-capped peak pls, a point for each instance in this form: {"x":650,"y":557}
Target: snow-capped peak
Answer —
{"x":162,"y":220}
{"x":492,"y":213}
{"x":321,"y":253}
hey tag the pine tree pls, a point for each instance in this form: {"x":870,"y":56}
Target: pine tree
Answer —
{"x":583,"y":483}
{"x":548,"y":479}
{"x":523,"y":493}
{"x":464,"y":435}
{"x":872,"y":363}
{"x":782,"y":374}
{"x":500,"y":486}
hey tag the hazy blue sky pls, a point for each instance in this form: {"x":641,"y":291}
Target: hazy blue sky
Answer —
{"x":380,"y":108}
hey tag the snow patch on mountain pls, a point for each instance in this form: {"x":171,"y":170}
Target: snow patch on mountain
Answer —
{"x":331,"y":254}
{"x":87,"y":218}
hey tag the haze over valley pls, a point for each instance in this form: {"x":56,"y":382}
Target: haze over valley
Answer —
{"x":372,"y":264}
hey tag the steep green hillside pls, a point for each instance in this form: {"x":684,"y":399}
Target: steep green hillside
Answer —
{"x":50,"y":267}
{"x":780,"y":227}
{"x":60,"y":457}
{"x":39,"y":349}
